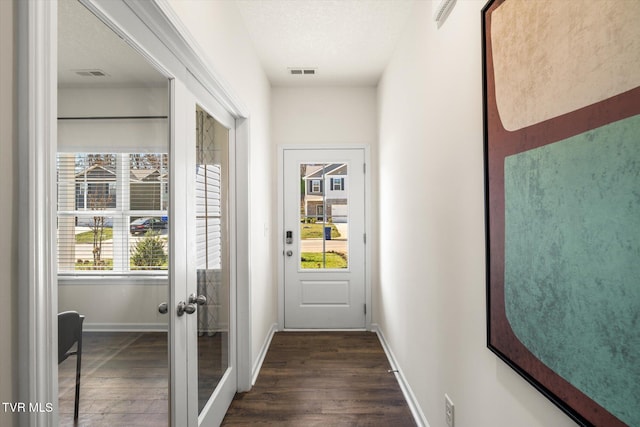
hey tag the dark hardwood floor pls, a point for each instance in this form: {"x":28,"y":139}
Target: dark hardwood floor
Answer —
{"x":323,"y":379}
{"x":307,"y":379}
{"x":124,"y":381}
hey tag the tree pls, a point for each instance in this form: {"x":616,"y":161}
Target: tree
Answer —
{"x":149,"y":253}
{"x":98,"y":201}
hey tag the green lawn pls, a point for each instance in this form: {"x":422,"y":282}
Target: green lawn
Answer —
{"x":314,"y":260}
{"x":315,"y":231}
{"x":87,"y":236}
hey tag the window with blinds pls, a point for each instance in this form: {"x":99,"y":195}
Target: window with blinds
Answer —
{"x":112,"y":213}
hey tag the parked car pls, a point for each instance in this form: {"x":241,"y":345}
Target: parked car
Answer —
{"x":142,"y":225}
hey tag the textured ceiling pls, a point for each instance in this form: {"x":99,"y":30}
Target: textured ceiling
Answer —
{"x":349,"y":42}
{"x":86,"y":43}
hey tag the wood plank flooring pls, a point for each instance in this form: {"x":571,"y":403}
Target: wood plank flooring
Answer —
{"x":323,"y":379}
{"x":307,"y":379}
{"x":124,"y":381}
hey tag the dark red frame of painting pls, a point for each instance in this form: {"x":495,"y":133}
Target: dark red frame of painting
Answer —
{"x":498,"y":144}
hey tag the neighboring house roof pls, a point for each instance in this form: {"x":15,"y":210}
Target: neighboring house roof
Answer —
{"x":342,"y":170}
{"x":105,"y":173}
{"x":98,"y":171}
{"x":332,"y":169}
{"x":144,"y":174}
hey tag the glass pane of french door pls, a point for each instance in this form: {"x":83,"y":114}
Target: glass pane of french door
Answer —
{"x":112,"y":227}
{"x":212,"y":252}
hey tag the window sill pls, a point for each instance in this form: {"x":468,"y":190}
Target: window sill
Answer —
{"x":116,"y":279}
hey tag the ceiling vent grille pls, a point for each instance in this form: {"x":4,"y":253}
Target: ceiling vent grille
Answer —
{"x":302,"y":71}
{"x":91,"y":73}
{"x":441,"y":9}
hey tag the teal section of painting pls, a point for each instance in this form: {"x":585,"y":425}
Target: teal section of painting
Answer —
{"x":572,"y":261}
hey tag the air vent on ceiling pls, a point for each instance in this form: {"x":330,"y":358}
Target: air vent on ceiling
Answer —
{"x":302,"y":71}
{"x":441,"y":9}
{"x":91,"y":73}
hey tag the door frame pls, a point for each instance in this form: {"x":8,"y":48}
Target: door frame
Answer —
{"x":153,"y":29}
{"x":367,"y":225}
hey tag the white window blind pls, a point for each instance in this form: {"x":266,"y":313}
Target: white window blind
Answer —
{"x":208,"y":217}
{"x":112,"y":213}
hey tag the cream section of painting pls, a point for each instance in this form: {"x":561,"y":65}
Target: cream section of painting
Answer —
{"x":554,"y":57}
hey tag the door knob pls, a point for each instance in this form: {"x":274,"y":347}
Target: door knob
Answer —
{"x":289,"y":253}
{"x":163,"y":308}
{"x":199,"y":299}
{"x":189,"y":308}
{"x":182,"y":308}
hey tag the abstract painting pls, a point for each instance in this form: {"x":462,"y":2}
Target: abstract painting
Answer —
{"x":561,"y":83}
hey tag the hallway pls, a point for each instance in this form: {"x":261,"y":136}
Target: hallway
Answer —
{"x":381,"y":75}
{"x":307,"y":378}
{"x":323,"y":379}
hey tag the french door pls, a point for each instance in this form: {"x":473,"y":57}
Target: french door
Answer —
{"x":200,"y":310}
{"x":324,"y":238}
{"x":195,"y":286}
{"x":204,"y":372}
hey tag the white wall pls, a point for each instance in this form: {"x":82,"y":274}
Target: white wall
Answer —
{"x":219,"y":30}
{"x":8,"y":213}
{"x":431,"y":301}
{"x":108,"y":102}
{"x":324,"y":115}
{"x":116,"y":305}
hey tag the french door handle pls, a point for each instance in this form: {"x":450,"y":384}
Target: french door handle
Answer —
{"x":197,"y":299}
{"x":183,"y":308}
{"x":191,"y":307}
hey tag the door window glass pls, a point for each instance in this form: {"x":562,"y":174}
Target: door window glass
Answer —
{"x":324,"y":216}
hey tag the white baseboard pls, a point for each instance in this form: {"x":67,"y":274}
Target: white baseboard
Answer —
{"x":418,"y":415}
{"x":263,"y":353}
{"x":125,"y":327}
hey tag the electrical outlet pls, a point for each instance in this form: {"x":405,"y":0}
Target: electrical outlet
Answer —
{"x":448,"y":410}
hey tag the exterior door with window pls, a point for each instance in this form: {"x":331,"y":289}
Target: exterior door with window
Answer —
{"x":324,"y":238}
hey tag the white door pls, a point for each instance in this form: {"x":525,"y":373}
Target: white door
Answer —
{"x":204,"y":373}
{"x":324,"y":238}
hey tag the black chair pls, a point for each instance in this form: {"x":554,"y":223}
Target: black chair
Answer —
{"x":70,"y":333}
